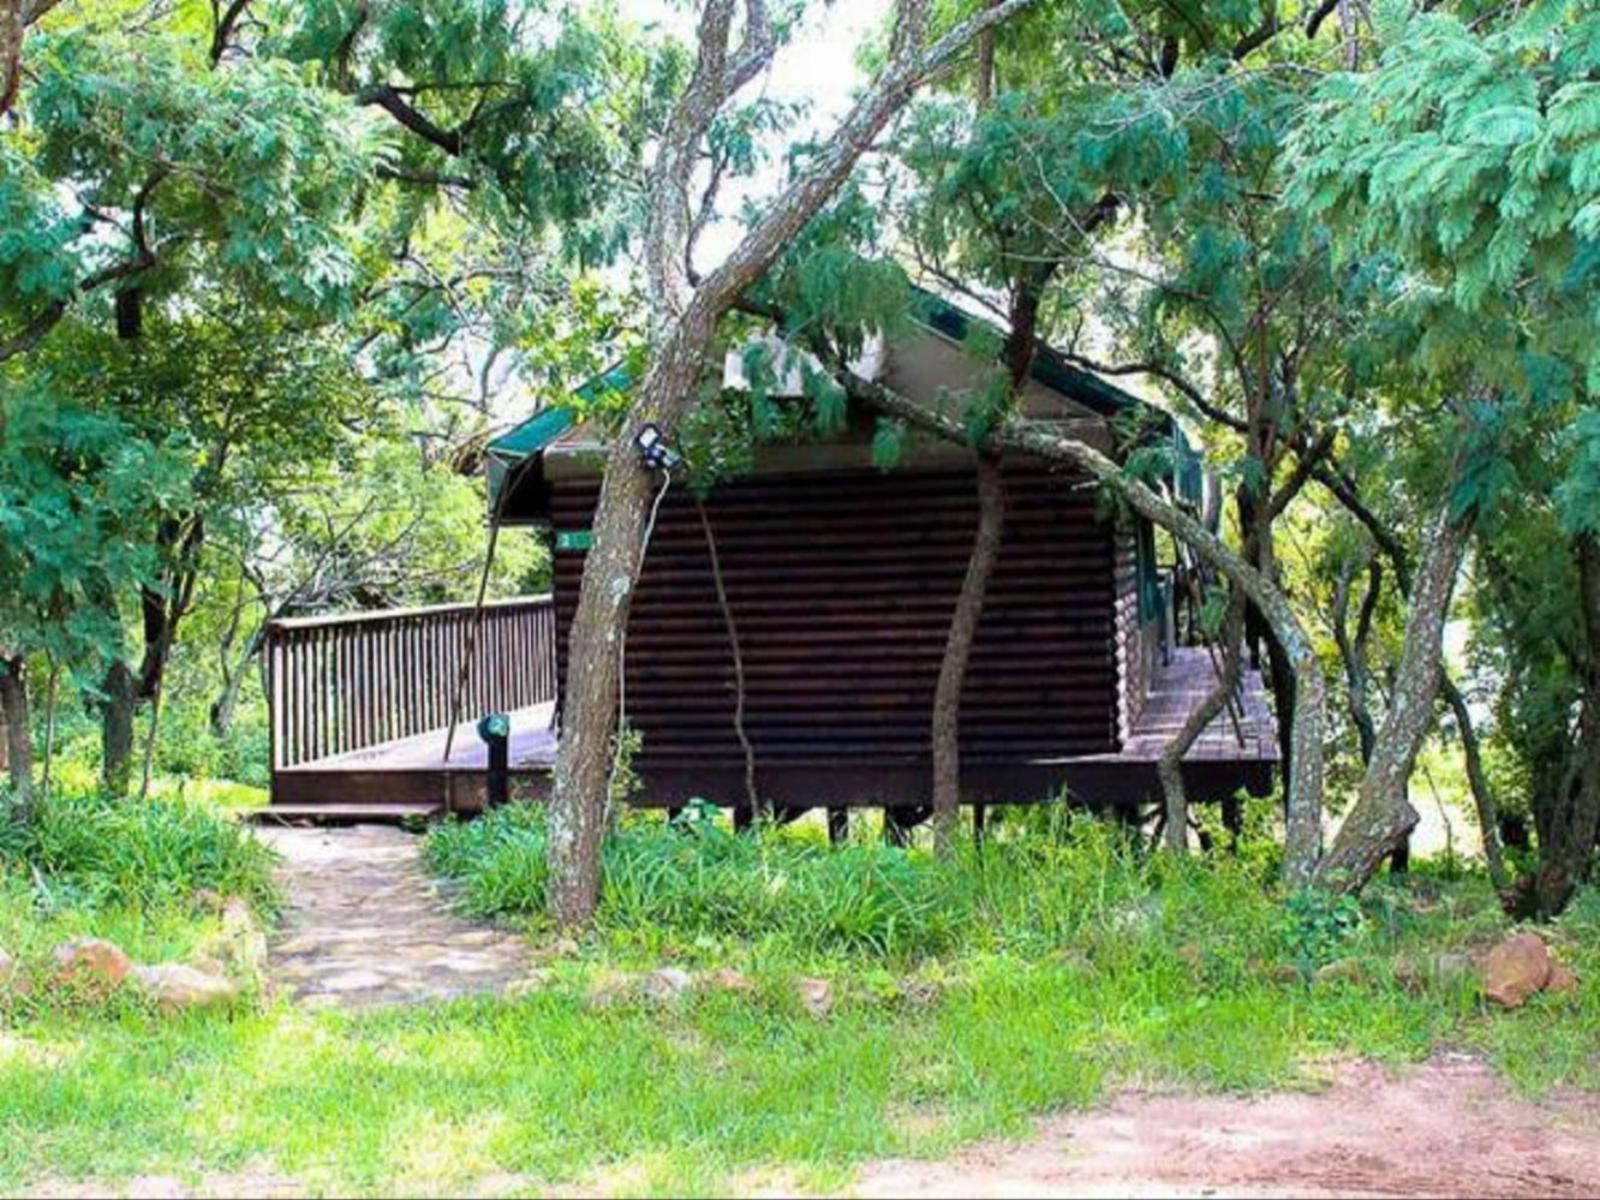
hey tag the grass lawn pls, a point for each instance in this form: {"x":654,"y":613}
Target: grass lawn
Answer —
{"x":1076,"y":969}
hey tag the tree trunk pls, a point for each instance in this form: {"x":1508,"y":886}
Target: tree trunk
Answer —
{"x":958,"y":651}
{"x":594,"y":646}
{"x":16,"y":744}
{"x":117,"y":707}
{"x":1478,"y":779}
{"x":1383,"y":816}
{"x":223,"y":708}
{"x":686,"y":313}
{"x":1566,"y":855}
{"x":1169,"y":767}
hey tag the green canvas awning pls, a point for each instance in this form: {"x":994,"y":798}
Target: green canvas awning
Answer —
{"x":506,"y":453}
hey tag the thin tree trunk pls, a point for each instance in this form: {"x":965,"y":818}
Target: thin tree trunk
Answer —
{"x":52,"y":688}
{"x":148,"y":764}
{"x":1566,"y":855}
{"x":1353,"y":653}
{"x":1169,"y":767}
{"x":1383,"y":816}
{"x":118,"y":703}
{"x":1478,"y":779}
{"x":946,"y":729}
{"x":15,"y":724}
{"x":226,"y":704}
{"x":751,"y":792}
{"x":594,"y":645}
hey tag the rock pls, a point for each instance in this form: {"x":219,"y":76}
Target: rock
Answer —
{"x":177,"y":986}
{"x":535,"y":980}
{"x":562,"y":947}
{"x":1285,"y":973}
{"x":1561,"y":979}
{"x":816,"y":995}
{"x":726,"y":979}
{"x":237,"y":917}
{"x":1442,"y":970}
{"x":1341,"y":970}
{"x":1515,"y":969}
{"x":610,"y":987}
{"x":920,"y":993}
{"x":667,"y":984}
{"x":92,"y":963}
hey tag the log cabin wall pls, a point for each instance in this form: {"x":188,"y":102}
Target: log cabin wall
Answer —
{"x":842,"y":583}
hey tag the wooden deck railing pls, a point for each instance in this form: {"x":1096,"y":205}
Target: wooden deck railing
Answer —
{"x":353,"y":680}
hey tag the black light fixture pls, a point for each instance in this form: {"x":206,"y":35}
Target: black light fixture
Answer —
{"x":653,"y":449}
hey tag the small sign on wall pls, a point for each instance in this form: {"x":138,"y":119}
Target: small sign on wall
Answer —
{"x":574,"y":539}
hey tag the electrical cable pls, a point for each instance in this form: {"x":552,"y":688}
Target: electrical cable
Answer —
{"x":622,"y":641}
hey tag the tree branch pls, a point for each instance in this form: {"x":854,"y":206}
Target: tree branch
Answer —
{"x":224,"y":28}
{"x":451,"y":141}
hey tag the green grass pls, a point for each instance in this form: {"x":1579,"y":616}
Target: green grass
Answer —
{"x":1062,"y":964}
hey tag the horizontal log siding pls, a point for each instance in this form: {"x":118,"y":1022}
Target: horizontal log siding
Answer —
{"x":842,"y":584}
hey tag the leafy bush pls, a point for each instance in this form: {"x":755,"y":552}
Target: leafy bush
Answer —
{"x":1318,"y":924}
{"x":93,"y":850}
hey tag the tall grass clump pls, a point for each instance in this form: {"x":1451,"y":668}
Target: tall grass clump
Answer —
{"x":90,"y":849}
{"x":1030,"y":890}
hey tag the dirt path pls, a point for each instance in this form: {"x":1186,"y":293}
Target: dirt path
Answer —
{"x":365,"y":926}
{"x":1448,"y":1128}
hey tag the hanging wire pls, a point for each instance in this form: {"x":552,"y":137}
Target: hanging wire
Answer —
{"x":622,"y":641}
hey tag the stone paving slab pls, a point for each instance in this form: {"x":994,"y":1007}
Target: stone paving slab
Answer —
{"x":364,"y":925}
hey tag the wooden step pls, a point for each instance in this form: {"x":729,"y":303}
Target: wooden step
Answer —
{"x":347,"y":814}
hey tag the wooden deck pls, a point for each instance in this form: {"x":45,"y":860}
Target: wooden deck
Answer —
{"x":1177,"y":690}
{"x":408,"y":776}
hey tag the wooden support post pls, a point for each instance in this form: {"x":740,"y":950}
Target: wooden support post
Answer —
{"x":1233,"y":820}
{"x":980,"y":820}
{"x":838,"y":826}
{"x":899,"y":822}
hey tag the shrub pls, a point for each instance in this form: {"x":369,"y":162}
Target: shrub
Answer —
{"x":94,"y":850}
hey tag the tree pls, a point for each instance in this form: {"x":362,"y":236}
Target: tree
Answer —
{"x":1465,"y":165}
{"x":77,"y":491}
{"x":687,"y":309}
{"x":236,"y":191}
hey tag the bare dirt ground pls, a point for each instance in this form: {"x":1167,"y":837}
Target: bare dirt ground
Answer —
{"x":1447,"y":1128}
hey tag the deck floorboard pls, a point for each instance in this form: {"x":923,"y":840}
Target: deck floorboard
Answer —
{"x":532,"y":745}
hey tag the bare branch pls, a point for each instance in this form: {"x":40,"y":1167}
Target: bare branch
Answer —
{"x":906,"y":72}
{"x":224,"y":29}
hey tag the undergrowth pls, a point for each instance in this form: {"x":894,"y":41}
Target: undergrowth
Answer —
{"x":87,"y":849}
{"x":1066,"y":884}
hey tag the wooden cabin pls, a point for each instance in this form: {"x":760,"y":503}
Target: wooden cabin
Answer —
{"x":841,"y":579}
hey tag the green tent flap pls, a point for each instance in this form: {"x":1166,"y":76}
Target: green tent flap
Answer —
{"x":533,"y":435}
{"x":508,"y":451}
